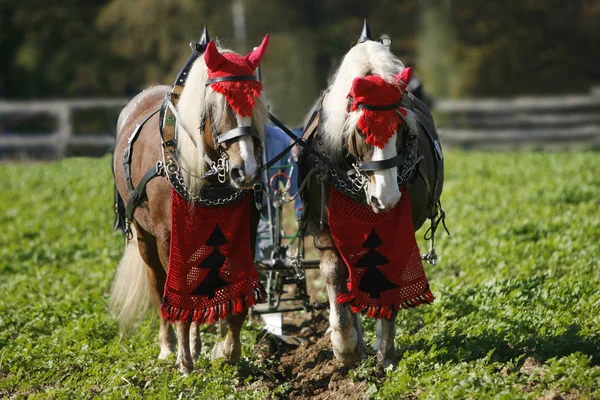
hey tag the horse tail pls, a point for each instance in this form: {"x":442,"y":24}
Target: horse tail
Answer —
{"x":130,"y":295}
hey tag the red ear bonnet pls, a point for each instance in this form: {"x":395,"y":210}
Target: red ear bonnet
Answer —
{"x":240,"y":94}
{"x":257,"y":54}
{"x":379,"y":125}
{"x":403,"y":78}
{"x":360,"y":86}
{"x":212,"y":57}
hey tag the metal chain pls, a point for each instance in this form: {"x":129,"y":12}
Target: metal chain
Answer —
{"x":177,"y":181}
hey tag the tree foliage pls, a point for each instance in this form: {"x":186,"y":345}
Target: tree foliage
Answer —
{"x":464,"y":47}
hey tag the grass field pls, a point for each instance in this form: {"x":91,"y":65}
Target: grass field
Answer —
{"x":517,"y":310}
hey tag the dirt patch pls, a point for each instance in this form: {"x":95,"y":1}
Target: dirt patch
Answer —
{"x":308,"y":370}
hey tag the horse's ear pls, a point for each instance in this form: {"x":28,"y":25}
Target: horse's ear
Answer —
{"x":403,"y":77}
{"x":360,"y":86}
{"x":212,"y":57}
{"x":257,"y":54}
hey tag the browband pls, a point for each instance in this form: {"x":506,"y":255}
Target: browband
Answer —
{"x":235,"y":78}
{"x":380,"y":108}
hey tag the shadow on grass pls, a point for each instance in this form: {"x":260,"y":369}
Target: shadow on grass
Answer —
{"x":463,"y":348}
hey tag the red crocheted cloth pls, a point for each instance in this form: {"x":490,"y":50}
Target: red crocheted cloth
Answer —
{"x":379,"y":125}
{"x":381,"y":254}
{"x":240,"y":95}
{"x":211,"y":269}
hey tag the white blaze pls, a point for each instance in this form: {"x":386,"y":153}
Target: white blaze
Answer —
{"x":385,"y":189}
{"x":247,"y":150}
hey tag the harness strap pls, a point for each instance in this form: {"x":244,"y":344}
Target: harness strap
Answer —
{"x":129,"y":149}
{"x":234,"y":78}
{"x":370,"y":107}
{"x":438,"y":168}
{"x":174,"y":111}
{"x":168,"y":126}
{"x":277,"y":158}
{"x":367,"y":166}
{"x":137,"y":195}
{"x":238,"y":132}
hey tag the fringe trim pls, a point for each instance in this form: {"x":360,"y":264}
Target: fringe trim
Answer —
{"x":214,"y":313}
{"x":241,"y":97}
{"x":383,"y":311}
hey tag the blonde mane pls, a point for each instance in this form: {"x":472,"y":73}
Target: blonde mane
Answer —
{"x":195,"y":98}
{"x":367,"y":58}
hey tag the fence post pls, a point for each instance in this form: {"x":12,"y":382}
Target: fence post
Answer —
{"x":65,"y":129}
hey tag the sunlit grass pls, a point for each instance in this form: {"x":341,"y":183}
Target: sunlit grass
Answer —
{"x":517,"y":286}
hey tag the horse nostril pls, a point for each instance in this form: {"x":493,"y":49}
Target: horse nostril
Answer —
{"x":375,"y":202}
{"x":237,"y":175}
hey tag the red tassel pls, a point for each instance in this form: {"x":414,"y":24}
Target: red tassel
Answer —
{"x":237,"y":306}
{"x":385,"y":312}
{"x":211,"y":315}
{"x":343,"y":298}
{"x":358,"y":308}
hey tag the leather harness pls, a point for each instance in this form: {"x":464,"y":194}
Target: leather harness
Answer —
{"x":215,"y":195}
{"x":340,"y":174}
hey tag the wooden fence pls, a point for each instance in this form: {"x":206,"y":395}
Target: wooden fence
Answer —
{"x":58,"y":141}
{"x":561,"y":122}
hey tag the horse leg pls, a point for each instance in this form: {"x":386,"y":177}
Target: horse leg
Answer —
{"x":385,"y":346}
{"x":157,"y":277}
{"x":195,"y":342}
{"x":231,"y":347}
{"x":166,"y":339}
{"x":346,"y":336}
{"x":185,"y":364}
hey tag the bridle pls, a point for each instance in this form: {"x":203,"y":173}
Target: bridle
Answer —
{"x":405,"y":159}
{"x":220,"y":167}
{"x":214,"y":195}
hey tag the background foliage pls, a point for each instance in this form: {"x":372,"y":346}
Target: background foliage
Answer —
{"x":460,"y":47}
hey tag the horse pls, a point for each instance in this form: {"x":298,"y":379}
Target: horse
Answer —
{"x":209,"y":152}
{"x":410,"y":158}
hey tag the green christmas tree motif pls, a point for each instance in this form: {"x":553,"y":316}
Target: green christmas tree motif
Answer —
{"x":213,"y":281}
{"x":373,"y":281}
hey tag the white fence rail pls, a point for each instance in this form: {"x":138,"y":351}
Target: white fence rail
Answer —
{"x":64,"y":135}
{"x":559,"y":122}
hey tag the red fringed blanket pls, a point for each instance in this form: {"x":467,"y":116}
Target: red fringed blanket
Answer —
{"x":211,"y":270}
{"x":381,"y":254}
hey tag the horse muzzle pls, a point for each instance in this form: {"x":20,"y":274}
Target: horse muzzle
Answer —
{"x":244,"y":176}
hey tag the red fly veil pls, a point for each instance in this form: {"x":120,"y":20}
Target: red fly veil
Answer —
{"x":211,"y":270}
{"x":381,"y":254}
{"x":240,"y":95}
{"x":379,"y":125}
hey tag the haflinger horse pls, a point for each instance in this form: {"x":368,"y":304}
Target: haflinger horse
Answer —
{"x":204,"y":143}
{"x":374,"y":143}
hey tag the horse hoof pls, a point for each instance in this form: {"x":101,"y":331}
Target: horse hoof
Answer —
{"x":184,"y":368}
{"x":219,"y":352}
{"x":388,"y":364}
{"x":164,"y":354}
{"x":348,"y":350}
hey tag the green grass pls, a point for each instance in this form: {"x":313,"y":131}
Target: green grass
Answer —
{"x":517,"y":313}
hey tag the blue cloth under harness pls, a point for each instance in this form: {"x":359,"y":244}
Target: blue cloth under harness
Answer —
{"x":276,"y":141}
